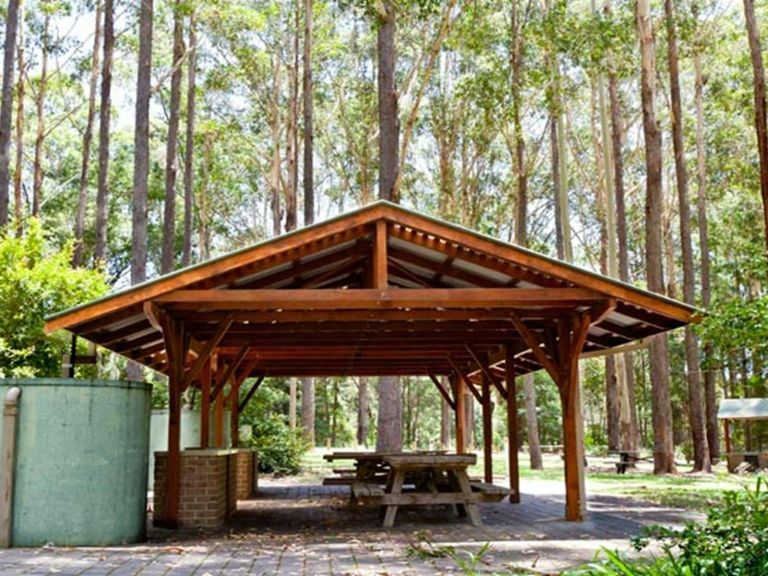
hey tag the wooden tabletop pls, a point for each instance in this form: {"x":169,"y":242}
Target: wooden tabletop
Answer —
{"x":430,"y":460}
{"x":351,"y":455}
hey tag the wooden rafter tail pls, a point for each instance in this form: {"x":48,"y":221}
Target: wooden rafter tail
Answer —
{"x":443,"y":392}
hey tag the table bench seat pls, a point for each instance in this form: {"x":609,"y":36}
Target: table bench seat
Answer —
{"x":490,"y":492}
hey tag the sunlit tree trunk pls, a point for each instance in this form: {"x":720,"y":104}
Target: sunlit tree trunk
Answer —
{"x":6,"y":105}
{"x":710,"y":392}
{"x":363,"y":408}
{"x":82,"y":197}
{"x":18,"y":195}
{"x":37,"y":166}
{"x":695,"y":406}
{"x":659,"y":360}
{"x":172,"y":142}
{"x":189,"y":147}
{"x":141,"y":157}
{"x":761,"y":122}
{"x":105,"y":110}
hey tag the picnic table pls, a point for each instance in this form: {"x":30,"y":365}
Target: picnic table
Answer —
{"x":627,"y":459}
{"x":425,"y":480}
{"x":369,"y":467}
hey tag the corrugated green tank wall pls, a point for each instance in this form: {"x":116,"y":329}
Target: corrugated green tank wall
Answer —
{"x":81,"y":461}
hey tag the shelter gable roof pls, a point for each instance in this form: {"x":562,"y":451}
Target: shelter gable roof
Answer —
{"x":263,"y":285}
{"x":743,"y":409}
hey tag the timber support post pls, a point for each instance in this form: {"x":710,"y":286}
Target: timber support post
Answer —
{"x":458,"y":396}
{"x":513,"y":464}
{"x":487,"y":408}
{"x":205,"y":406}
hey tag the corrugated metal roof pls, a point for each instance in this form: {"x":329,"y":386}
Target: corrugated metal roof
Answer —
{"x":743,"y":409}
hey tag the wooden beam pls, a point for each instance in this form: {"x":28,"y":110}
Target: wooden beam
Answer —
{"x":218,"y":407}
{"x":483,"y":363}
{"x":380,"y":280}
{"x":463,"y":378}
{"x":229,"y":371}
{"x":251,"y":392}
{"x":512,"y":441}
{"x":384,"y":299}
{"x":533,"y":343}
{"x":443,"y":391}
{"x":206,"y":352}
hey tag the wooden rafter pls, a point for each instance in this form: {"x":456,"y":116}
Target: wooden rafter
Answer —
{"x":533,"y":343}
{"x":485,"y":368}
{"x":443,"y":392}
{"x":251,"y":392}
{"x":229,"y":371}
{"x":206,"y":352}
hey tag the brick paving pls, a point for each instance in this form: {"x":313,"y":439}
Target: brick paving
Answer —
{"x":304,"y":530}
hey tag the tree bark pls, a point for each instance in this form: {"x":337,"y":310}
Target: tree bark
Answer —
{"x":308,"y":409}
{"x":695,"y":406}
{"x":141,"y":158}
{"x":6,"y":105}
{"x":445,"y":418}
{"x":292,"y":130}
{"x":18,"y":195}
{"x":172,"y":142}
{"x":710,"y":392}
{"x":389,"y":126}
{"x":363,"y":407}
{"x":521,"y":216}
{"x":37,"y":166}
{"x":761,"y":122}
{"x":292,"y":403}
{"x":189,"y":146}
{"x":105,"y":110}
{"x":308,"y":175}
{"x":659,"y":361}
{"x":389,"y":424}
{"x":82,"y":197}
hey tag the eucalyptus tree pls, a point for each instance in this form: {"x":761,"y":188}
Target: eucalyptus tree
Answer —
{"x":6,"y":105}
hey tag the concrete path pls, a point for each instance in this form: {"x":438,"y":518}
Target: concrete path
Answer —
{"x":309,"y":530}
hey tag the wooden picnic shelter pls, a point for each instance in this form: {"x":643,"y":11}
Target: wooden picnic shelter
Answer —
{"x":378,"y":291}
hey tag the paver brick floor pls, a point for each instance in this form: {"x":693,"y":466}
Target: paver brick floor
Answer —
{"x":300,"y":530}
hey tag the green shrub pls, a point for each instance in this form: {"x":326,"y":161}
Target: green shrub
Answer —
{"x":279,"y":448}
{"x":732,"y":541}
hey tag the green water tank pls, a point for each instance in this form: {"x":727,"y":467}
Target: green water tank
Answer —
{"x":81,"y":462}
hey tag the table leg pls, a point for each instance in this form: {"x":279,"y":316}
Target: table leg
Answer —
{"x":471,"y":508}
{"x":453,"y":482}
{"x":394,"y":486}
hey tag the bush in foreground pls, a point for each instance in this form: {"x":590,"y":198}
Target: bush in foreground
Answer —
{"x":732,"y":541}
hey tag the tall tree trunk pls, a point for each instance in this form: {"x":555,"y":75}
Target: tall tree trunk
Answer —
{"x":630,"y":434}
{"x":203,"y":235}
{"x":274,"y":172}
{"x":308,"y":409}
{"x":363,"y":402}
{"x":6,"y":105}
{"x":292,"y":152}
{"x":308,"y":384}
{"x":558,"y":197}
{"x":710,"y":392}
{"x":308,"y":90}
{"x":172,"y":143}
{"x":695,"y":406}
{"x":659,"y":360}
{"x":521,"y":219}
{"x":37,"y":172}
{"x":141,"y":157}
{"x":761,"y":122}
{"x":390,"y":418}
{"x":18,"y":193}
{"x":189,"y":145}
{"x":389,"y":126}
{"x":105,"y":111}
{"x":292,"y":403}
{"x":82,"y":197}
{"x":445,"y":418}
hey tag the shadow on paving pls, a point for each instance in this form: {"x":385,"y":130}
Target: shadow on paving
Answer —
{"x":324,"y":513}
